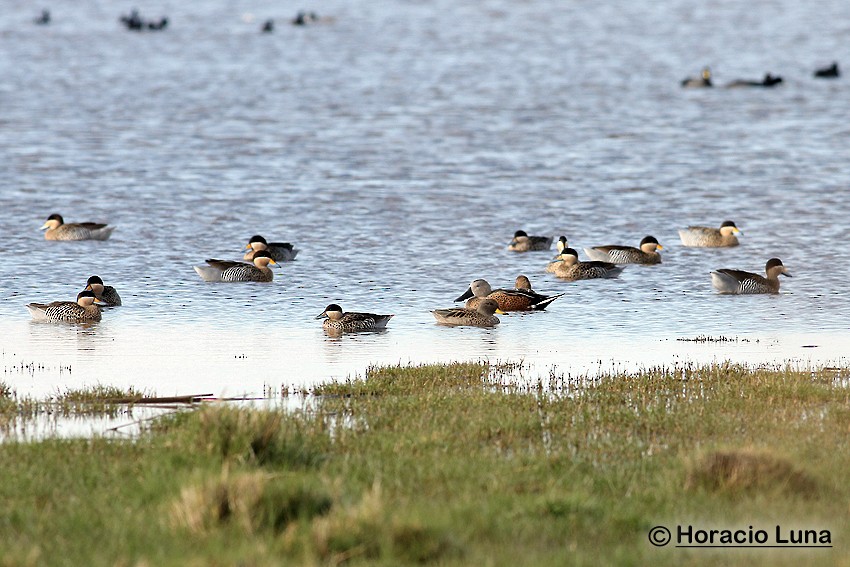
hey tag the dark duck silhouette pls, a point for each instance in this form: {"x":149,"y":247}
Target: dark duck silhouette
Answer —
{"x":768,"y":81}
{"x":830,"y":72}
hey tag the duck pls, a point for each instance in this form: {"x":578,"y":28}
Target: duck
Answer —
{"x":571,"y":269}
{"x":228,"y":271}
{"x":337,"y":321}
{"x":830,"y":72}
{"x":768,"y":81}
{"x":561,"y":244}
{"x":302,"y":18}
{"x":482,"y":316}
{"x":739,"y":282}
{"x":703,"y":81}
{"x":521,"y":242}
{"x":56,"y":229}
{"x":645,"y":254}
{"x":708,"y":237}
{"x":280,"y":251}
{"x":268,"y":26}
{"x":522,"y":283}
{"x":44,"y":18}
{"x":84,"y":310}
{"x":104,"y":293}
{"x":524,"y":299}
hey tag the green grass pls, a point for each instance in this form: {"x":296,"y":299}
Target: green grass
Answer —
{"x":450,"y":465}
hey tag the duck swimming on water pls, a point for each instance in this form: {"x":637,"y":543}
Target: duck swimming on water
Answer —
{"x":482,"y":316}
{"x":279,"y":251}
{"x":337,"y":320}
{"x":703,"y":81}
{"x":518,"y":299}
{"x":571,"y":269}
{"x":645,"y":254}
{"x":708,"y":237}
{"x":104,"y":293}
{"x":84,"y":310}
{"x":228,"y":271}
{"x":522,"y":242}
{"x":739,"y":282}
{"x":56,"y":229}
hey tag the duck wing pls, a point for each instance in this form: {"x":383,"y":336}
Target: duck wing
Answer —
{"x":224,"y":264}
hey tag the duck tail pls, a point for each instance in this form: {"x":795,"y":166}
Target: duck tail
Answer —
{"x":545,"y":303}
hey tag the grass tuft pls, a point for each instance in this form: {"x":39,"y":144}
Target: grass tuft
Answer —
{"x":746,"y":470}
{"x":254,"y":501}
{"x":266,"y":438}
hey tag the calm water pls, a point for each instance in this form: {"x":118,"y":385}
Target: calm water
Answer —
{"x":400,"y":146}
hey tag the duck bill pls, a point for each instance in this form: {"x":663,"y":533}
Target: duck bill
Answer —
{"x":659,"y":247}
{"x":466,"y":295}
{"x":787,"y":275}
{"x":322,"y":315}
{"x":500,"y":312}
{"x":45,"y":226}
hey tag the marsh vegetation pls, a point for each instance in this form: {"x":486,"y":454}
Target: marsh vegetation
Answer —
{"x":448,"y":465}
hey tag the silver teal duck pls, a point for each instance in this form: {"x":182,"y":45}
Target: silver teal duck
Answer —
{"x":482,"y":316}
{"x":524,"y":299}
{"x":228,"y":271}
{"x":701,"y":82}
{"x":84,"y":310}
{"x":104,"y":293}
{"x":572,"y":269}
{"x":280,"y":251}
{"x":522,"y":242}
{"x":561,"y":244}
{"x":708,"y":237}
{"x":645,"y":254}
{"x":56,"y":229}
{"x":739,"y":282}
{"x":336,"y":321}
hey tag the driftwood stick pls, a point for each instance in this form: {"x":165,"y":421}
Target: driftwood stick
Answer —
{"x":159,"y":400}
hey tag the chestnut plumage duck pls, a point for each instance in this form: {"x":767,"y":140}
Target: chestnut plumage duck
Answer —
{"x":739,"y":282}
{"x":646,"y":254}
{"x":522,"y":242}
{"x":84,"y":310}
{"x":482,"y":316}
{"x":338,"y":321}
{"x":708,"y":237}
{"x":507,"y":299}
{"x":228,"y":271}
{"x":56,"y":229}
{"x":572,"y":269}
{"x":104,"y":293}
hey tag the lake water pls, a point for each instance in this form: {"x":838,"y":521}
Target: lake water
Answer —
{"x":399,"y":145}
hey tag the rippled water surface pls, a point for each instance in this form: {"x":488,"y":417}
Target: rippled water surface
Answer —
{"x":399,"y":145}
